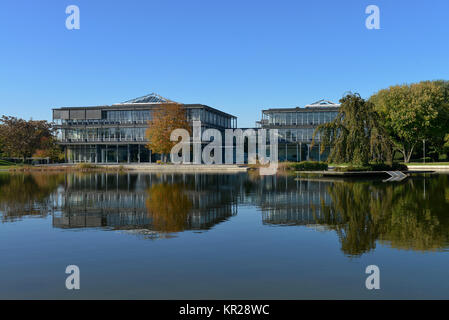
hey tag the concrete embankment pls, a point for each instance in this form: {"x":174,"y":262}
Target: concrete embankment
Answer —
{"x":436,"y":168}
{"x":181,"y":168}
{"x":147,"y":167}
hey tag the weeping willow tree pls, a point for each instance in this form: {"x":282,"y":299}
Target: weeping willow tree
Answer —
{"x":355,"y":136}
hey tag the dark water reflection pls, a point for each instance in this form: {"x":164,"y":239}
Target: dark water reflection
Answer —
{"x":412,"y":215}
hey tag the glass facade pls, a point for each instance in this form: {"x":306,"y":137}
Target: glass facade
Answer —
{"x":296,"y":127}
{"x":102,"y":134}
{"x":111,"y":117}
{"x":109,"y":153}
{"x":299,"y":118}
{"x":210,"y":118}
{"x":118,"y":133}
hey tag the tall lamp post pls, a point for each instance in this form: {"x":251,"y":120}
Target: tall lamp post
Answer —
{"x":424,"y":150}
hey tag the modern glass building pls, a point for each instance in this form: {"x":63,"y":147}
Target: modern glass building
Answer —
{"x":116,"y":133}
{"x":296,"y":127}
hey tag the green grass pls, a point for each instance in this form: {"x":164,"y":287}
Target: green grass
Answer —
{"x":6,"y":163}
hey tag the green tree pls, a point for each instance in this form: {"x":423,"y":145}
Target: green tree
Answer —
{"x":355,"y":135}
{"x":21,"y":138}
{"x":49,"y":148}
{"x":413,"y":113}
{"x":165,"y":119}
{"x":446,"y":144}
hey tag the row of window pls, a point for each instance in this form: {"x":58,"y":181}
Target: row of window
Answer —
{"x":138,"y":134}
{"x":125,"y":116}
{"x":103,"y":134}
{"x":209,"y":117}
{"x":297,"y":135}
{"x":300,"y":118}
{"x":143,"y":116}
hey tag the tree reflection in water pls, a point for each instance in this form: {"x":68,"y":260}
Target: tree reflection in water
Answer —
{"x":26,"y":194}
{"x":412,"y":215}
{"x":168,"y":207}
{"x":404,"y":216}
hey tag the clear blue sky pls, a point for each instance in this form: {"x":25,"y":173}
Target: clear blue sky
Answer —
{"x":238,"y":56}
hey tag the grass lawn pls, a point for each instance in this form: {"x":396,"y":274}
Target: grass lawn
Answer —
{"x":6,"y":165}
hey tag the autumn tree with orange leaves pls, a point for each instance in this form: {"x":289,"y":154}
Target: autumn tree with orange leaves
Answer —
{"x":165,"y":119}
{"x":168,"y":206}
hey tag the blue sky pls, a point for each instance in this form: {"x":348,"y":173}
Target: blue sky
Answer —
{"x":238,"y":56}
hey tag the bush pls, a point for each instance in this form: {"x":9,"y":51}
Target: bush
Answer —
{"x":353,"y":169}
{"x":426,"y":159}
{"x":6,"y":163}
{"x":384,"y":167}
{"x":308,"y":166}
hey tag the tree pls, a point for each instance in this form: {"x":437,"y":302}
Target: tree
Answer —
{"x":413,"y":113}
{"x":21,"y":138}
{"x":355,"y":135}
{"x":49,"y":148}
{"x":165,"y":119}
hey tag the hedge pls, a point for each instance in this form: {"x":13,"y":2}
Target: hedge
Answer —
{"x":308,"y":166}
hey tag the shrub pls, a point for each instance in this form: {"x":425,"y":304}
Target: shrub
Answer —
{"x":308,"y":166}
{"x":353,"y":169}
{"x":384,"y":167}
{"x":6,"y":163}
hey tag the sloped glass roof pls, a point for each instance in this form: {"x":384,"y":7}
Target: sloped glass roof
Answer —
{"x":323,"y":103}
{"x":149,"y":98}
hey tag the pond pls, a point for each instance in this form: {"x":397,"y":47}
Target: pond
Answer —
{"x":222,"y":236}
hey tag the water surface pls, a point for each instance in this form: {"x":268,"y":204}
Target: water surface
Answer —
{"x":229,"y":236}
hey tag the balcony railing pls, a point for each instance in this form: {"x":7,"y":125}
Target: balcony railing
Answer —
{"x":108,"y":139}
{"x":101,"y":122}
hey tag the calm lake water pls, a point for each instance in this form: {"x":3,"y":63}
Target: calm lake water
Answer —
{"x":230,"y":236}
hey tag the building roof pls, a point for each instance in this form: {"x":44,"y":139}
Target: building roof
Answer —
{"x":149,"y":98}
{"x":323,"y":103}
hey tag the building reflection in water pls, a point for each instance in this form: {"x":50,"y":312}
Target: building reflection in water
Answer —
{"x":162,"y":203}
{"x":293,"y":202}
{"x":362,"y":213}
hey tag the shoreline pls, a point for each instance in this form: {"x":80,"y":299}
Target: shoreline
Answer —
{"x":185,"y":168}
{"x":166,"y":168}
